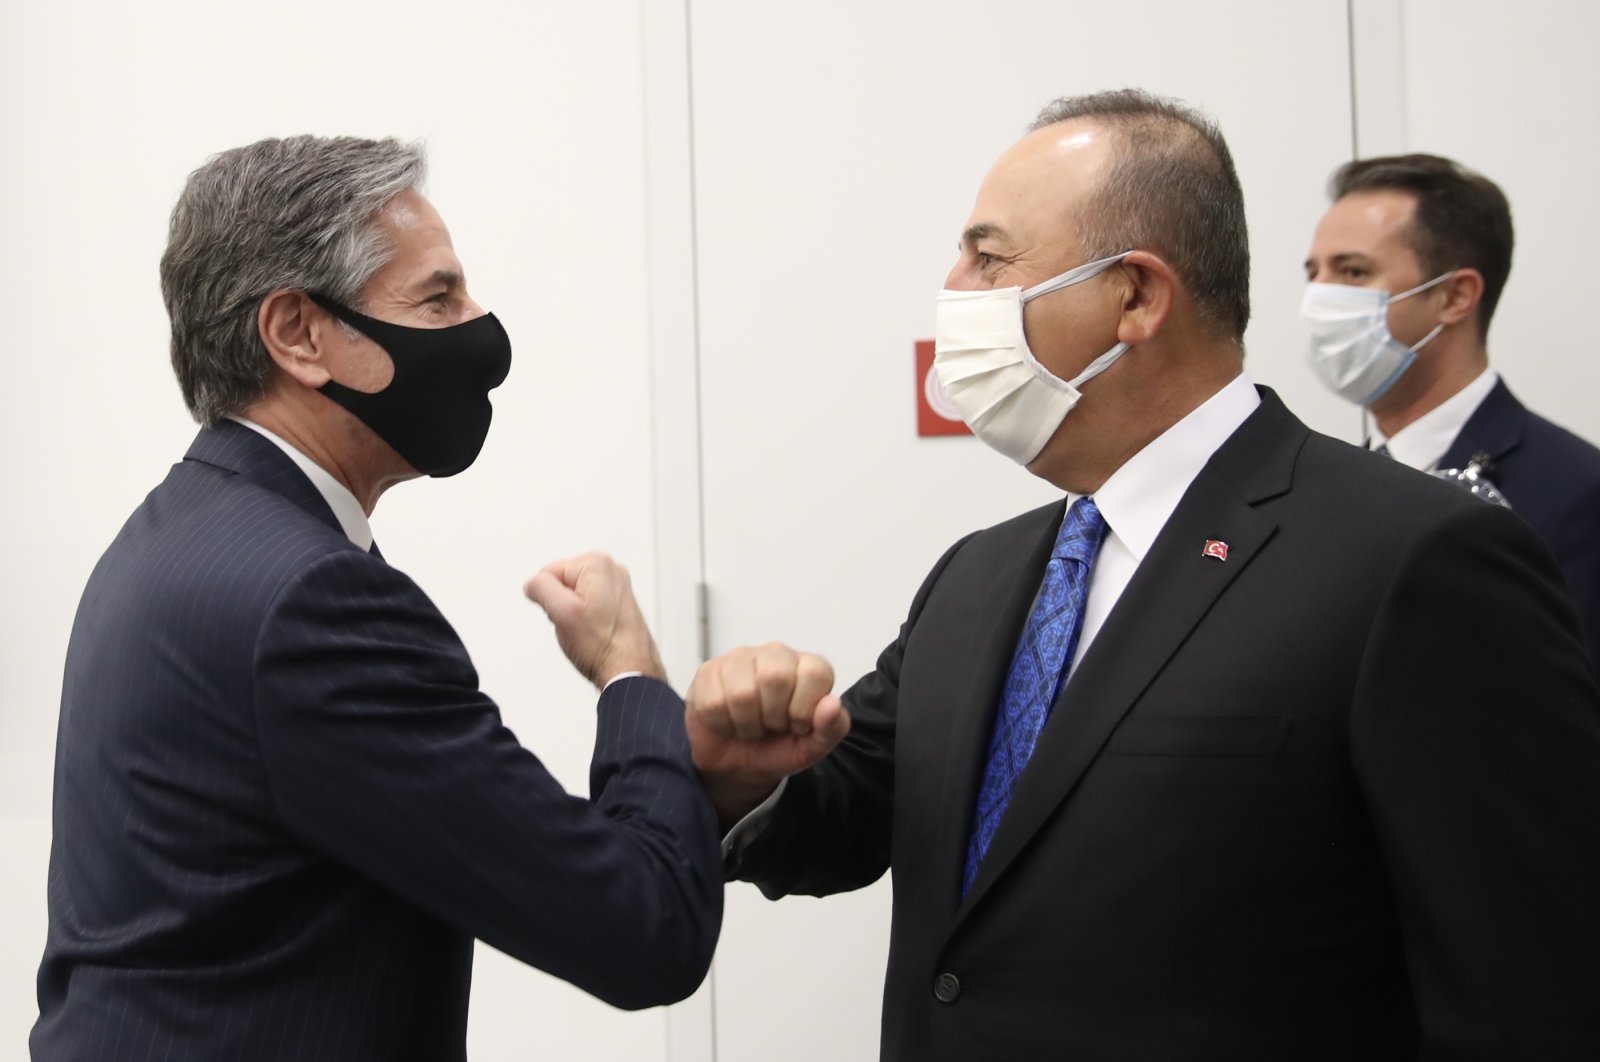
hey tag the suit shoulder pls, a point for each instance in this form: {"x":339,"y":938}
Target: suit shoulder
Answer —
{"x":206,"y":534}
{"x":998,"y":544}
{"x":1552,"y":479}
{"x":1024,"y":527}
{"x":1024,"y":524}
{"x":1565,"y":452}
{"x":1351,"y":495}
{"x":1006,"y":540}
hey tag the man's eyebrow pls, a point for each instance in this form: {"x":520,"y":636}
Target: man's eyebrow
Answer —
{"x":984,"y":230}
{"x":1342,"y":258}
{"x":443,"y":278}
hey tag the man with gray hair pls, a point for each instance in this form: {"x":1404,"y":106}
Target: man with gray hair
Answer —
{"x":1194,"y":763}
{"x":283,"y":808}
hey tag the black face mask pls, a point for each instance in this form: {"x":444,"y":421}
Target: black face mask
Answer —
{"x":435,"y":412}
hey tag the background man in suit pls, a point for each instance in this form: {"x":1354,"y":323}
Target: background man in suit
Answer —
{"x":1420,"y":366}
{"x":283,"y":808}
{"x":1200,"y":762}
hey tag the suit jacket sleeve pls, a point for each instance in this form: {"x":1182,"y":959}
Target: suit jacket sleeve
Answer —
{"x":1475,"y":735}
{"x":831,"y":830}
{"x":383,"y":754}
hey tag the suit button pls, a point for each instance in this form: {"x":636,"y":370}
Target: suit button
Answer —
{"x":947,"y":989}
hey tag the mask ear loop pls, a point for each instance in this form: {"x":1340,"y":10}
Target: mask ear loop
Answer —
{"x":1424,"y":286}
{"x":1425,"y":340}
{"x":1074,"y":276}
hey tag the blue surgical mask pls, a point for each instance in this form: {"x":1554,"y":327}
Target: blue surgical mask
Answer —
{"x":1352,"y":351}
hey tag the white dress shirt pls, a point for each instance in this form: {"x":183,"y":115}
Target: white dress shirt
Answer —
{"x":1422,"y":443}
{"x":352,"y":518}
{"x":1137,"y":501}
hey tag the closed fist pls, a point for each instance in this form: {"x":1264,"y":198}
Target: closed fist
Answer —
{"x":756,"y":716}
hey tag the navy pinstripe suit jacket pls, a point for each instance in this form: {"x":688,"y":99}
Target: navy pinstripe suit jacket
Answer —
{"x":283,"y":809}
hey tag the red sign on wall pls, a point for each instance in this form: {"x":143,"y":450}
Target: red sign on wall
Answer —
{"x":935,"y":414}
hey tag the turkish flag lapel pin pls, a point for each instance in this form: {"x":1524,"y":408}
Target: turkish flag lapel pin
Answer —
{"x":1215,"y":548}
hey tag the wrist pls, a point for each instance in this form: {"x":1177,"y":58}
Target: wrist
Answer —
{"x":628,"y":665}
{"x":614,"y":679}
{"x":733,"y":799}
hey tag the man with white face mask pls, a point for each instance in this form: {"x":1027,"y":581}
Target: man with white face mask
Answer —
{"x":1439,"y":236}
{"x":1191,"y":764}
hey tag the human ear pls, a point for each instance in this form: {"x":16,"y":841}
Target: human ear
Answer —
{"x":1462,"y":294}
{"x":295,"y":332}
{"x":1150,"y":289}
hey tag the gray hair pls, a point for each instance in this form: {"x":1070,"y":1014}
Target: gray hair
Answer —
{"x":1172,"y":190}
{"x":292,"y":213}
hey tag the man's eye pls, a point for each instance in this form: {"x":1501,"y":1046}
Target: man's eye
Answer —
{"x":1353,"y":272}
{"x":986,"y":260}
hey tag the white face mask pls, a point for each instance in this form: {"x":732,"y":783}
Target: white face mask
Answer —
{"x":981,"y":354}
{"x":1352,"y":351}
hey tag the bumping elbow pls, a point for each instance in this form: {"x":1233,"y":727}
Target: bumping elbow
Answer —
{"x":665,"y":956}
{"x":666,"y":970}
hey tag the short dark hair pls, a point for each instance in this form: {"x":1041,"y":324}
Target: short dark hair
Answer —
{"x":1173,"y":190}
{"x":1462,"y":220}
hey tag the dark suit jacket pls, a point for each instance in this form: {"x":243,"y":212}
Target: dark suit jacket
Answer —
{"x":1552,"y":479}
{"x":1286,"y":806}
{"x":283,"y":808}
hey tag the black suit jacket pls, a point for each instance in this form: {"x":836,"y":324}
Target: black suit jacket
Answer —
{"x":1286,"y":807}
{"x":1552,"y":479}
{"x":283,"y":808}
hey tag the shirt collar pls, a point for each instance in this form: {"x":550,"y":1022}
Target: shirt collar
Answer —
{"x":1425,"y":440}
{"x":1140,"y":496}
{"x":352,"y":519}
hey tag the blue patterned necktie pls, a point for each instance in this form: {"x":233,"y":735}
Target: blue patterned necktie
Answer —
{"x":1049,"y":640}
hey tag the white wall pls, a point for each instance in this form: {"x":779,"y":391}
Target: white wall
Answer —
{"x":1509,"y":90}
{"x":713,"y":299}
{"x":1512,"y":91}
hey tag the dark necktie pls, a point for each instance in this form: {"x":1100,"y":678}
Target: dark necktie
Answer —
{"x":1049,"y":640}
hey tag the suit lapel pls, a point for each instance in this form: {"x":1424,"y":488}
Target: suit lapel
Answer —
{"x":1170,"y":593}
{"x":1495,"y":428}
